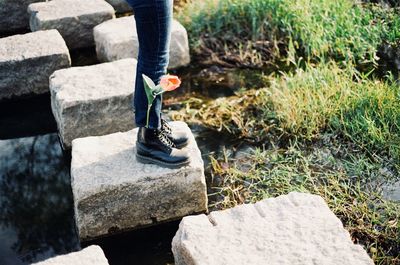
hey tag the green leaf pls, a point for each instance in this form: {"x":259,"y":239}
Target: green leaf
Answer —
{"x":149,"y":86}
{"x":148,"y":81}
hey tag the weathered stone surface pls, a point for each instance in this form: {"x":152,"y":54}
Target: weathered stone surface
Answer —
{"x":93,"y":100}
{"x":292,"y":229}
{"x":117,"y":38}
{"x":92,"y":255}
{"x":112,"y":191}
{"x":13,"y":15}
{"x":74,"y":19}
{"x":121,"y":6}
{"x":27,"y":61}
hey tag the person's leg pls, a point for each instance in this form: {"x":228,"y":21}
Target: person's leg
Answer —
{"x":153,"y":24}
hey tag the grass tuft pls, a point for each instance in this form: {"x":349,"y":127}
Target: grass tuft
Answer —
{"x":255,"y":32}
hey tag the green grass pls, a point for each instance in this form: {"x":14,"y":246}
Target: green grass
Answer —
{"x":253,"y":32}
{"x":371,"y":220}
{"x":306,"y":103}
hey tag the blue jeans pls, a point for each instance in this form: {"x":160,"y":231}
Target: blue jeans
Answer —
{"x":153,"y":24}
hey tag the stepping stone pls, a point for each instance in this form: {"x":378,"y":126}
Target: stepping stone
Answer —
{"x":93,"y":100}
{"x":117,"y":38}
{"x":13,"y":15}
{"x":74,"y":19}
{"x":120,"y":6}
{"x":298,"y":228}
{"x":27,"y":61}
{"x":92,"y":255}
{"x":114,"y":192}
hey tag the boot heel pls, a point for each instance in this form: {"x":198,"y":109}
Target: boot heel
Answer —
{"x":143,"y":160}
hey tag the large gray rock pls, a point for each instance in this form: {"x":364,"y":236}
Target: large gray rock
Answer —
{"x":292,"y":229}
{"x":93,"y":100}
{"x":27,"y":61}
{"x":113,"y":192}
{"x":117,"y":38}
{"x":74,"y":19}
{"x":121,"y":6}
{"x":92,"y":255}
{"x":13,"y":15}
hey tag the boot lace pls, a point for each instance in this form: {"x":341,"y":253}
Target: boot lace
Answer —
{"x":165,"y":126}
{"x":165,"y":139}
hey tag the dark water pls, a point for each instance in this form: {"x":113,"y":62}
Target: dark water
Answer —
{"x":35,"y":200}
{"x":36,"y":205}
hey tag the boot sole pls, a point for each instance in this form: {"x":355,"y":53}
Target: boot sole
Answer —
{"x":148,"y":160}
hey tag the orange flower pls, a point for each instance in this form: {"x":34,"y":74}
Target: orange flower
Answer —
{"x":170,"y":82}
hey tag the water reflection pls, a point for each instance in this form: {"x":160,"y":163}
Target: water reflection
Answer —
{"x":35,"y":200}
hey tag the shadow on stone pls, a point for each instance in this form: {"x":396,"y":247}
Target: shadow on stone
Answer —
{"x":148,"y":246}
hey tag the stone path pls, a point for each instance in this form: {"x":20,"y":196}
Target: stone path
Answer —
{"x":93,"y":100}
{"x":92,"y":255}
{"x":117,"y":38}
{"x":27,"y":61}
{"x":113,"y":192}
{"x":92,"y":106}
{"x":74,"y":19}
{"x":292,"y":229}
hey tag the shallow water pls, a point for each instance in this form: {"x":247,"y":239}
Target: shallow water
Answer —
{"x":35,"y":201}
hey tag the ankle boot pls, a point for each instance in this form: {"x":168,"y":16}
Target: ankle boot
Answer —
{"x":179,"y":138}
{"x":154,"y":147}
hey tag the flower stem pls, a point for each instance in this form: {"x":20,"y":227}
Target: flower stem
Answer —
{"x":148,"y":115}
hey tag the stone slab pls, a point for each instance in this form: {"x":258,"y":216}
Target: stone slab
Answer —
{"x":13,"y":15}
{"x":114,"y":192}
{"x":117,"y":38}
{"x":92,"y":255}
{"x":93,"y":100}
{"x":297,"y":228}
{"x":74,"y":19}
{"x":120,"y":6}
{"x":27,"y":61}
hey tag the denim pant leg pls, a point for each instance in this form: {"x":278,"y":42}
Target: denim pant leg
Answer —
{"x":153,"y":24}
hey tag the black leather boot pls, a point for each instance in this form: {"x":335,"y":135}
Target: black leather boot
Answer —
{"x":179,"y":138}
{"x":154,"y":147}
